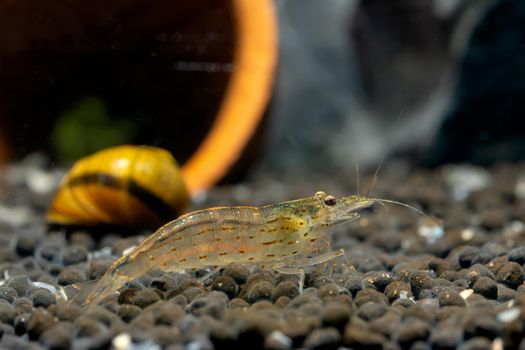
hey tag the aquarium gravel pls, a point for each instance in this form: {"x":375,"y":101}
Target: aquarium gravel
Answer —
{"x":404,"y":282}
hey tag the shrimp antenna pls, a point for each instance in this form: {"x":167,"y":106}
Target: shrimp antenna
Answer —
{"x":357,"y":179}
{"x":374,"y":179}
{"x":376,"y":174}
{"x":380,"y":200}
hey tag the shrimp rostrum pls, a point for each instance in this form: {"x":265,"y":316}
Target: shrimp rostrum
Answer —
{"x":284,"y":237}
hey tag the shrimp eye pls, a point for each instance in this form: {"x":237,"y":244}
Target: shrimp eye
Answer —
{"x":330,"y":200}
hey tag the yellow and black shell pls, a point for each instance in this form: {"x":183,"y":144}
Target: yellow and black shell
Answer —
{"x":123,"y":185}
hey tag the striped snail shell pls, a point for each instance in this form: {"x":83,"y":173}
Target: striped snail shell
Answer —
{"x":123,"y":185}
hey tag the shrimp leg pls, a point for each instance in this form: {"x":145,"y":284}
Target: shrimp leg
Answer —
{"x":322,"y":258}
{"x":215,"y":270}
{"x":307,"y":261}
{"x":295,"y":266}
{"x":293,"y":271}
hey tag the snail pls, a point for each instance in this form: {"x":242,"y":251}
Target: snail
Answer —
{"x":123,"y":186}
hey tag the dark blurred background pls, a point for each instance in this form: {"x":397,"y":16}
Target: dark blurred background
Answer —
{"x":435,"y":81}
{"x":78,"y":76}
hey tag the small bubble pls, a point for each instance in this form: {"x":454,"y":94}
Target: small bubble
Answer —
{"x":467,"y":234}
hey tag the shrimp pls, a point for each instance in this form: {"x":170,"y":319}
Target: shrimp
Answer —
{"x":284,"y":237}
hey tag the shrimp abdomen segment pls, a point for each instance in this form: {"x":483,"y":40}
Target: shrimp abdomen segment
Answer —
{"x":221,"y":236}
{"x":216,"y":236}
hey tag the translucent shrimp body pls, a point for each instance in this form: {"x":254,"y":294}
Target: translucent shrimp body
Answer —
{"x":281,"y":237}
